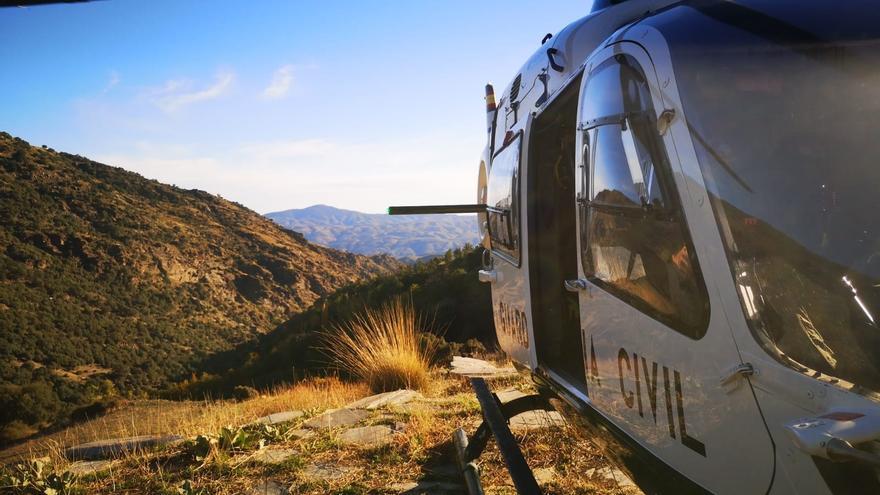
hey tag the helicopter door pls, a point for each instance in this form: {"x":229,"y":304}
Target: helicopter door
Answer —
{"x":657,"y":343}
{"x":506,"y":275}
{"x":552,"y":248}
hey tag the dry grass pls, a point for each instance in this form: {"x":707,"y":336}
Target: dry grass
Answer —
{"x":421,"y":451}
{"x":191,"y":418}
{"x":382,"y":347}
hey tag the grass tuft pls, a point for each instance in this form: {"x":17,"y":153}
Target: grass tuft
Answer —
{"x":382,"y":347}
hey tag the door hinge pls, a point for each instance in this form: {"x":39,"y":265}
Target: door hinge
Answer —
{"x":731,"y":380}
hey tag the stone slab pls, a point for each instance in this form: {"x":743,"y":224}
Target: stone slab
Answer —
{"x":279,"y":417}
{"x":269,"y":488}
{"x":508,"y":395}
{"x":334,"y":418}
{"x":86,"y":468}
{"x":301,"y":434}
{"x":544,"y":475}
{"x":367,"y":436}
{"x":623,"y":481}
{"x":472,"y":367}
{"x":118,"y":447}
{"x":272,"y":455}
{"x":325,"y":471}
{"x":536,"y":420}
{"x":395,"y":398}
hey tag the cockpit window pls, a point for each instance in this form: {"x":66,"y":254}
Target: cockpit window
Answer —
{"x":503,"y":202}
{"x":786,"y":126}
{"x":633,"y":237}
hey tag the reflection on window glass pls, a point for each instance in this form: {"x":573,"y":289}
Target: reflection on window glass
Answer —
{"x":502,"y":201}
{"x":786,"y":133}
{"x":635,"y":244}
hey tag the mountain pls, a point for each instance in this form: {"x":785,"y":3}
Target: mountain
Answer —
{"x":405,"y":237}
{"x":112,"y":284}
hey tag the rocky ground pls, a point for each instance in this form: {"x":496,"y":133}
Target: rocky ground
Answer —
{"x":396,"y":442}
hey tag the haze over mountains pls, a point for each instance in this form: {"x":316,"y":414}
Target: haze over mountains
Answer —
{"x":111,"y":283}
{"x":404,"y":237}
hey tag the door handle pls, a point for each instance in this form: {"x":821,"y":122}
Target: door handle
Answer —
{"x":490,"y":276}
{"x":576,"y":285}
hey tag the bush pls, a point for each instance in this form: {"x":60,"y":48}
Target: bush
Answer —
{"x":243,"y":392}
{"x":382,"y":347}
{"x":15,"y":431}
{"x":95,"y":409}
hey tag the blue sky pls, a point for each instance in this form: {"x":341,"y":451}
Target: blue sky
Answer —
{"x":274,"y":104}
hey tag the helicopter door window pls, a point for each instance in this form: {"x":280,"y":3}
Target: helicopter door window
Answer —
{"x":634,"y":239}
{"x":503,"y":203}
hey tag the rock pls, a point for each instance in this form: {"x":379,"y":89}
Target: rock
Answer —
{"x":325,"y":471}
{"x":622,"y":480}
{"x":301,"y":434}
{"x":396,"y":398}
{"x":117,"y":447}
{"x":544,"y":475}
{"x":478,"y":368}
{"x":269,"y":488}
{"x":367,"y":436}
{"x":271,"y":455}
{"x":508,"y":395}
{"x":337,"y":417}
{"x":86,"y":468}
{"x":427,"y":488}
{"x":279,"y":417}
{"x":536,"y":420}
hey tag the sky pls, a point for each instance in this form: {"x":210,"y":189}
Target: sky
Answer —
{"x":273,"y":104}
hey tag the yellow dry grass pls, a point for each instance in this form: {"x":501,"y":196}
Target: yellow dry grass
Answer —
{"x":382,"y":347}
{"x":191,"y":418}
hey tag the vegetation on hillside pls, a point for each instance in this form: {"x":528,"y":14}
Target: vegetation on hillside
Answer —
{"x":115,"y":285}
{"x":444,"y":290}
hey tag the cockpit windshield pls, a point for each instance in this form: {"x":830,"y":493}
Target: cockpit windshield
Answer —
{"x":786,"y":126}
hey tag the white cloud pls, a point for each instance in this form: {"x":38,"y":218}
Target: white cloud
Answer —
{"x":282,"y":174}
{"x":112,"y":82}
{"x":178,"y":93}
{"x":280,"y":85}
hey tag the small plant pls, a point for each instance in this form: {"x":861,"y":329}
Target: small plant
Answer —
{"x":237,"y":439}
{"x":382,"y":347}
{"x":187,"y":488}
{"x":32,"y":478}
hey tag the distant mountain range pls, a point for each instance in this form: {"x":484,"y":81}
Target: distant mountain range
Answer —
{"x":404,"y":237}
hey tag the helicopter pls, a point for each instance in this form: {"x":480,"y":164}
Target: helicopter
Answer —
{"x":679,"y":214}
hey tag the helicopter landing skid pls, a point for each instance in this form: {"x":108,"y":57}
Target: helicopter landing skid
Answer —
{"x":496,"y":416}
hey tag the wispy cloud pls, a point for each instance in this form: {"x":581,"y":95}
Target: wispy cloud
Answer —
{"x":178,"y":93}
{"x":281,"y":174}
{"x":296,"y":148}
{"x":112,"y":82}
{"x":280,"y":85}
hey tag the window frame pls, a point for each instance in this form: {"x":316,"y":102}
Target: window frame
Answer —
{"x":673,"y":209}
{"x":510,"y":255}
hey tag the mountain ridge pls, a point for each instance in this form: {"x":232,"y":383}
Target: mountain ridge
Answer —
{"x":407,"y":237}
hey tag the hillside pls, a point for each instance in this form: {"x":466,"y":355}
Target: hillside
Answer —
{"x":112,"y":284}
{"x":445,"y":291}
{"x":405,"y":237}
